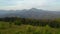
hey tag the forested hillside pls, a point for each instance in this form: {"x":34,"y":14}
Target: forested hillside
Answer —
{"x":55,"y":23}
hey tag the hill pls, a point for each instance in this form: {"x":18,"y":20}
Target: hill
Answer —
{"x":31,"y":13}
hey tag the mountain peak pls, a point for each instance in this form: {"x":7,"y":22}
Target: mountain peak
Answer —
{"x":33,"y":9}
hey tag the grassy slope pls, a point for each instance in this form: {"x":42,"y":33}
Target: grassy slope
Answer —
{"x":26,"y":29}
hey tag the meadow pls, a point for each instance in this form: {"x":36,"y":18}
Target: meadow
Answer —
{"x":26,"y":29}
{"x":14,"y":25}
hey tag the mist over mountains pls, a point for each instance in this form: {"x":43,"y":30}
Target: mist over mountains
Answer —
{"x":31,"y":13}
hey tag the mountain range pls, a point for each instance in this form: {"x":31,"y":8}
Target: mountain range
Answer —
{"x":31,"y":13}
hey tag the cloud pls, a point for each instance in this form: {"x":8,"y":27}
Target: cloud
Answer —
{"x":26,"y":4}
{"x":21,"y":4}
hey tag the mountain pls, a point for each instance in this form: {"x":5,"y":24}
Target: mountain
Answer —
{"x":31,"y":13}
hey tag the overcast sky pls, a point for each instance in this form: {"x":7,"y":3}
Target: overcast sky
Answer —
{"x":27,"y":4}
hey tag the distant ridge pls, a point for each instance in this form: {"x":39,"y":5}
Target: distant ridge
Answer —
{"x":31,"y":13}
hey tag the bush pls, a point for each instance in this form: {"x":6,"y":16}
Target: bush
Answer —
{"x":54,"y":24}
{"x":17,"y":22}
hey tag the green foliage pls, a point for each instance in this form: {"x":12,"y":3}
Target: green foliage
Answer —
{"x":55,"y":23}
{"x":17,"y":22}
{"x":2,"y":26}
{"x":28,"y":29}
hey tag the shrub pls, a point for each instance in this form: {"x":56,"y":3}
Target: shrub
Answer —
{"x":54,"y":24}
{"x":17,"y":22}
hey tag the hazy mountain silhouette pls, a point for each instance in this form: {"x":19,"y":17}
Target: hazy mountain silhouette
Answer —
{"x":31,"y":13}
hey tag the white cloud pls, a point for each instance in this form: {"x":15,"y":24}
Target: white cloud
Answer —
{"x":26,"y":4}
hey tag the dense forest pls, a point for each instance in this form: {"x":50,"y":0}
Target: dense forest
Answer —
{"x":54,"y":23}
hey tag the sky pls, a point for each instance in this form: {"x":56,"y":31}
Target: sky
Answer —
{"x":27,"y":4}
